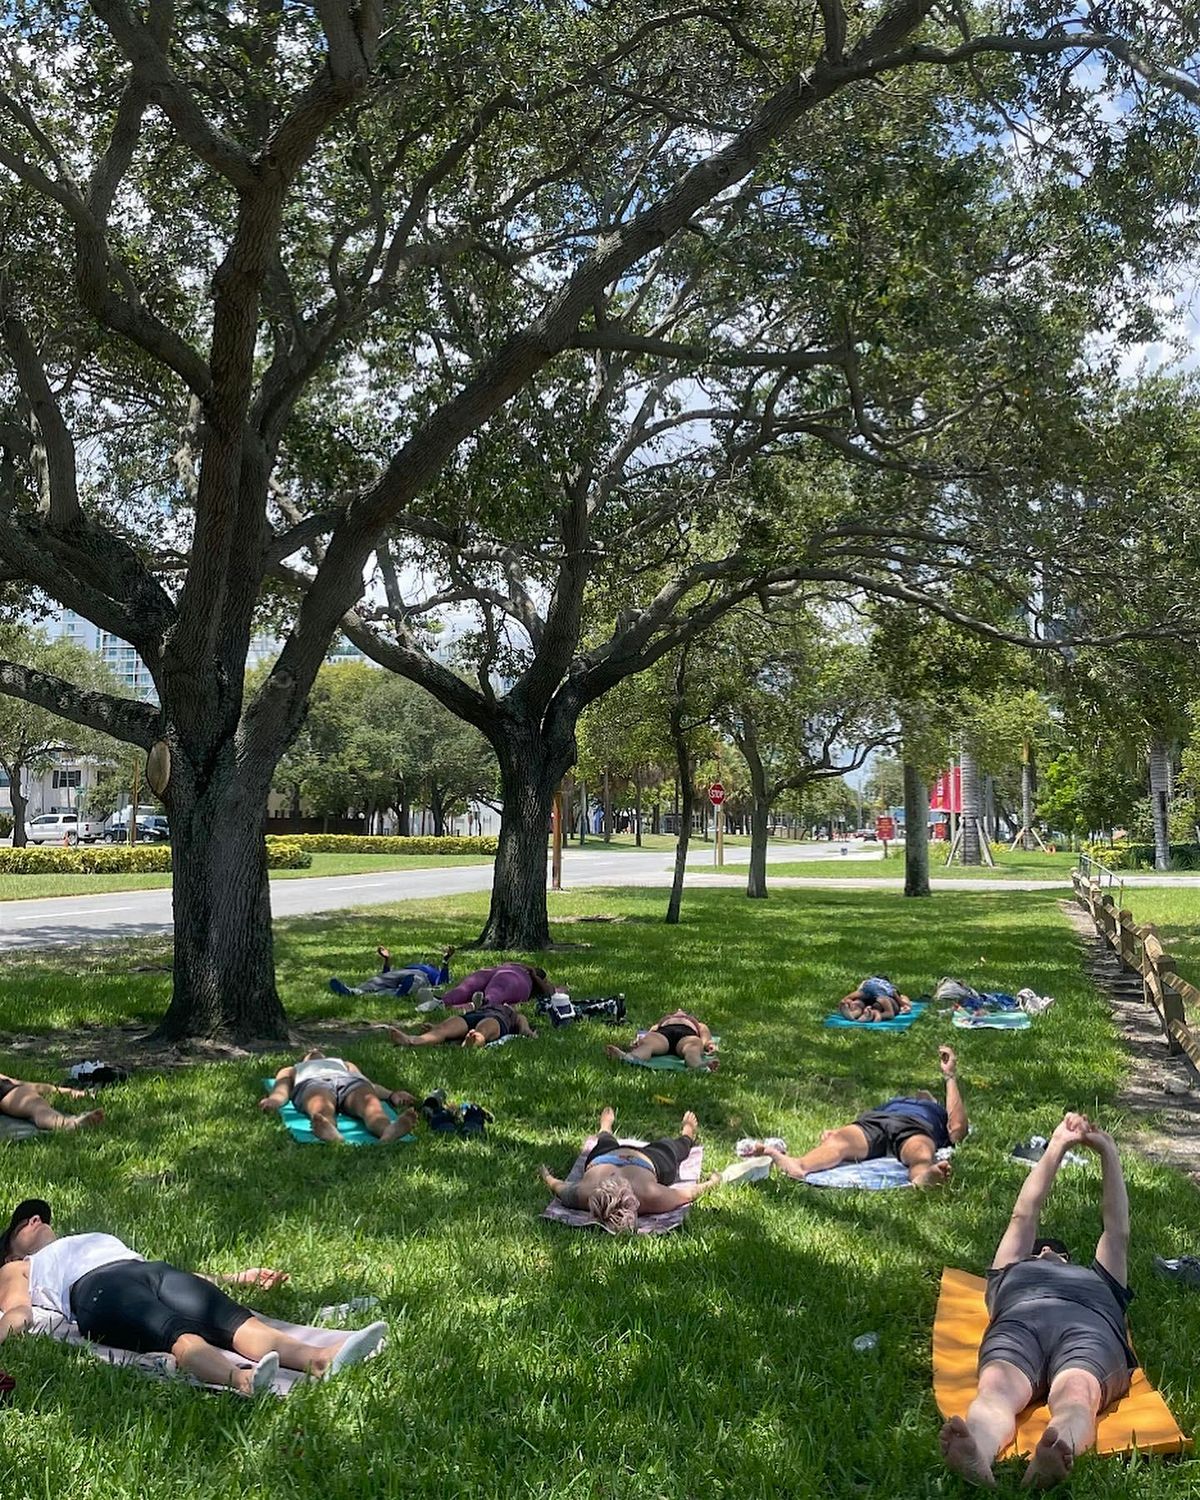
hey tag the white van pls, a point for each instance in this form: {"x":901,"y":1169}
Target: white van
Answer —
{"x":62,"y":828}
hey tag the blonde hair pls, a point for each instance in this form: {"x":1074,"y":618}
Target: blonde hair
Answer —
{"x":614,"y":1205}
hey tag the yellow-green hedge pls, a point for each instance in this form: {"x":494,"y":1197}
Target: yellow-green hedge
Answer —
{"x":120,"y":859}
{"x":354,"y":843}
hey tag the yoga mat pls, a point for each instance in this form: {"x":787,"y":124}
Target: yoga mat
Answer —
{"x":999,"y":1020}
{"x":897,"y":1023}
{"x":18,"y":1130}
{"x":575,"y":1218}
{"x":871,"y":1176}
{"x":352,"y":1131}
{"x":1139,"y":1420}
{"x":669,"y":1063}
{"x":163,"y":1367}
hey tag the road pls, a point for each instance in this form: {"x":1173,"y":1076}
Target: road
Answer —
{"x":68,"y":920}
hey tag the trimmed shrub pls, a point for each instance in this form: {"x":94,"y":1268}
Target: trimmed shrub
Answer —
{"x":1126,"y":855}
{"x":120,"y":859}
{"x":354,"y":843}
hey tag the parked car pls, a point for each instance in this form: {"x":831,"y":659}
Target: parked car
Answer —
{"x":62,"y":828}
{"x":151,"y":829}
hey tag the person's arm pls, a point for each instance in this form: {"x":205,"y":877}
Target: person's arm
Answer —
{"x":260,"y":1276}
{"x":14,"y":1297}
{"x":523,"y":1027}
{"x":658,"y":1200}
{"x":1112,"y":1248}
{"x":46,"y":1089}
{"x":565,"y":1192}
{"x":393,"y":1097}
{"x":1017,"y":1240}
{"x":956,"y":1110}
{"x":282,"y":1091}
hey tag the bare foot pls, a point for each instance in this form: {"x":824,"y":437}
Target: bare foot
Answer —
{"x":616,"y":1053}
{"x":399,"y":1127}
{"x":1051,"y":1462}
{"x":327,"y":1131}
{"x":690,"y":1126}
{"x":474,"y":1038}
{"x":933,"y":1176}
{"x":84,"y":1122}
{"x":399,"y":1038}
{"x":608,"y":1117}
{"x":962,"y":1454}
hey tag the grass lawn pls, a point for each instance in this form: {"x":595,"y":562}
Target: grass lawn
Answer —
{"x":526,"y":1360}
{"x":1015,"y":866}
{"x":1175,"y":912}
{"x":31,"y":887}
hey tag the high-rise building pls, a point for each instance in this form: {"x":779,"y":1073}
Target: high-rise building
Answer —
{"x":118,"y":655}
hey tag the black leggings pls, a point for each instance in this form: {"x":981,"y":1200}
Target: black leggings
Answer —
{"x":667,"y":1156}
{"x":145,"y":1305}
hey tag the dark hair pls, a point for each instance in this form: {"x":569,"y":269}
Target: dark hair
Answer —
{"x":541,"y":973}
{"x":1048,"y":1244}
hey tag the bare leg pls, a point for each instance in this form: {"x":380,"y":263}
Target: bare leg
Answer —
{"x":835,"y":1146}
{"x":452,"y":1029}
{"x":318,"y":1105}
{"x":1074,"y":1401}
{"x":653,"y":1044}
{"x":211,"y":1365}
{"x":970,"y":1447}
{"x":25,"y":1103}
{"x":692,"y":1052}
{"x":255,"y":1338}
{"x":488,"y":1030}
{"x":689,"y":1125}
{"x":365,"y":1106}
{"x":920,"y":1157}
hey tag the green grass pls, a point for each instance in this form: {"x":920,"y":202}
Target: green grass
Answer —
{"x":1015,"y":866}
{"x":1175,"y":912}
{"x":529,"y":1361}
{"x":32,"y":887}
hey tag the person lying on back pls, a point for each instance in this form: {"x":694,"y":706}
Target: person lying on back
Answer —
{"x":876,"y":999}
{"x":321,"y":1087}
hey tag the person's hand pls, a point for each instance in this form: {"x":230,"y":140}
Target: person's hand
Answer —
{"x":260,"y":1276}
{"x":399,"y":1096}
{"x":1098,"y":1140}
{"x":710,"y":1046}
{"x":384,"y":952}
{"x":1070,"y":1130}
{"x":269,"y":1102}
{"x":548,"y":1177}
{"x":947,"y":1061}
{"x":532,"y":1032}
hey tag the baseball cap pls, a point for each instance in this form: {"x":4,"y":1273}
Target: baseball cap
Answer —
{"x":29,"y":1209}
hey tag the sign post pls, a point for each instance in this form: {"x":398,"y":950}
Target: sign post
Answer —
{"x":716,"y":795}
{"x":885,"y":827}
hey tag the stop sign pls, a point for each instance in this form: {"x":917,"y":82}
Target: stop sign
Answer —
{"x":716,"y":794}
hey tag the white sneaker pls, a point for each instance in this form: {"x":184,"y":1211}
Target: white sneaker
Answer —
{"x":748,"y":1169}
{"x":428,"y":1005}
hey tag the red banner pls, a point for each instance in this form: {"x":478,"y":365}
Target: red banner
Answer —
{"x":947,"y":792}
{"x":885,"y":828}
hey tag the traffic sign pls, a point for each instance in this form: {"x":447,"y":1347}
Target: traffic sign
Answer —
{"x":716,"y":794}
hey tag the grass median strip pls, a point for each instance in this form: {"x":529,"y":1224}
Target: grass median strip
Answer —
{"x":717,"y":1361}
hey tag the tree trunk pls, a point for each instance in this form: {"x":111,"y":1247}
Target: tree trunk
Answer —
{"x":1028,"y":786}
{"x":404,"y":817}
{"x":685,"y":787}
{"x":1160,"y":790}
{"x":608,"y":821}
{"x":760,"y":811}
{"x":969,"y":846}
{"x":20,"y":804}
{"x":583,"y":812}
{"x":637,"y":809}
{"x":224,"y":971}
{"x":916,"y":832}
{"x":533,"y":762}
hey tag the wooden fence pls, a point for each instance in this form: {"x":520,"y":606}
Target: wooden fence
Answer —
{"x":1139,"y":952}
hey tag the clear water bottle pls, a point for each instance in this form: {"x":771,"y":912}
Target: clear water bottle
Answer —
{"x":865,"y":1342}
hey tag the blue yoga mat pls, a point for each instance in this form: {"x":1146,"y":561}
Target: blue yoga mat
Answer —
{"x":352,"y":1131}
{"x":898,"y":1023}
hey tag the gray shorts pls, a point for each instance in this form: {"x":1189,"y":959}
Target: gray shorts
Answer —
{"x":1044,"y":1339}
{"x":340,"y":1090}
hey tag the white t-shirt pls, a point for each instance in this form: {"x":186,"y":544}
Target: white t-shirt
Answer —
{"x":326,"y":1069}
{"x":55,"y":1269}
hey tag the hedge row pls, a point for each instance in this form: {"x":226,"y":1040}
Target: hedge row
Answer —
{"x":354,"y":843}
{"x":120,"y":859}
{"x":1124,"y":854}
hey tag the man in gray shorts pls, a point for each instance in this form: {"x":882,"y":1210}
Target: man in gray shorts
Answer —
{"x":1057,"y":1331}
{"x":323,"y":1087}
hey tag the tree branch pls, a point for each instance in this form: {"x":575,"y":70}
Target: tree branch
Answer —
{"x":123,"y":718}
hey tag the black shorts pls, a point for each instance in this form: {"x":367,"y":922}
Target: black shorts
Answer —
{"x":666,"y":1156}
{"x":6,"y":1087}
{"x":145,"y":1305}
{"x":1045,"y":1337}
{"x":488,"y":1013}
{"x":887,"y":1134}
{"x":339,"y":1088}
{"x":676,"y":1032}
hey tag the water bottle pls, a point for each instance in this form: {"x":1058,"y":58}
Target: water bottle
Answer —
{"x":865,"y":1342}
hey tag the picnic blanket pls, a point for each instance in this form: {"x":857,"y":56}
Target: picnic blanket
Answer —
{"x":575,"y":1218}
{"x":897,"y":1023}
{"x":163,"y":1366}
{"x":872,"y":1176}
{"x":998,"y":1020}
{"x":1139,"y":1420}
{"x":18,"y":1130}
{"x":669,"y":1063}
{"x":352,"y":1131}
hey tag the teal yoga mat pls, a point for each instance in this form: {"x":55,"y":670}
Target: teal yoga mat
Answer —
{"x":352,"y":1131}
{"x":668,"y":1063}
{"x":898,"y":1023}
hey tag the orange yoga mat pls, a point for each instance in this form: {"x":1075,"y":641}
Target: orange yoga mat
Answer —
{"x":1139,"y":1420}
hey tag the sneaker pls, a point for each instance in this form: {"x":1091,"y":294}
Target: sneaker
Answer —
{"x":432,"y":1004}
{"x":339,"y":987}
{"x":475,"y":1119}
{"x":1186,"y":1268}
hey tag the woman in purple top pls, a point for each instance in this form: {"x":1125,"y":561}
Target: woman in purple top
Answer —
{"x":505,"y":984}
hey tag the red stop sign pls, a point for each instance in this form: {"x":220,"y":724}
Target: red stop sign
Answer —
{"x":716,"y":794}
